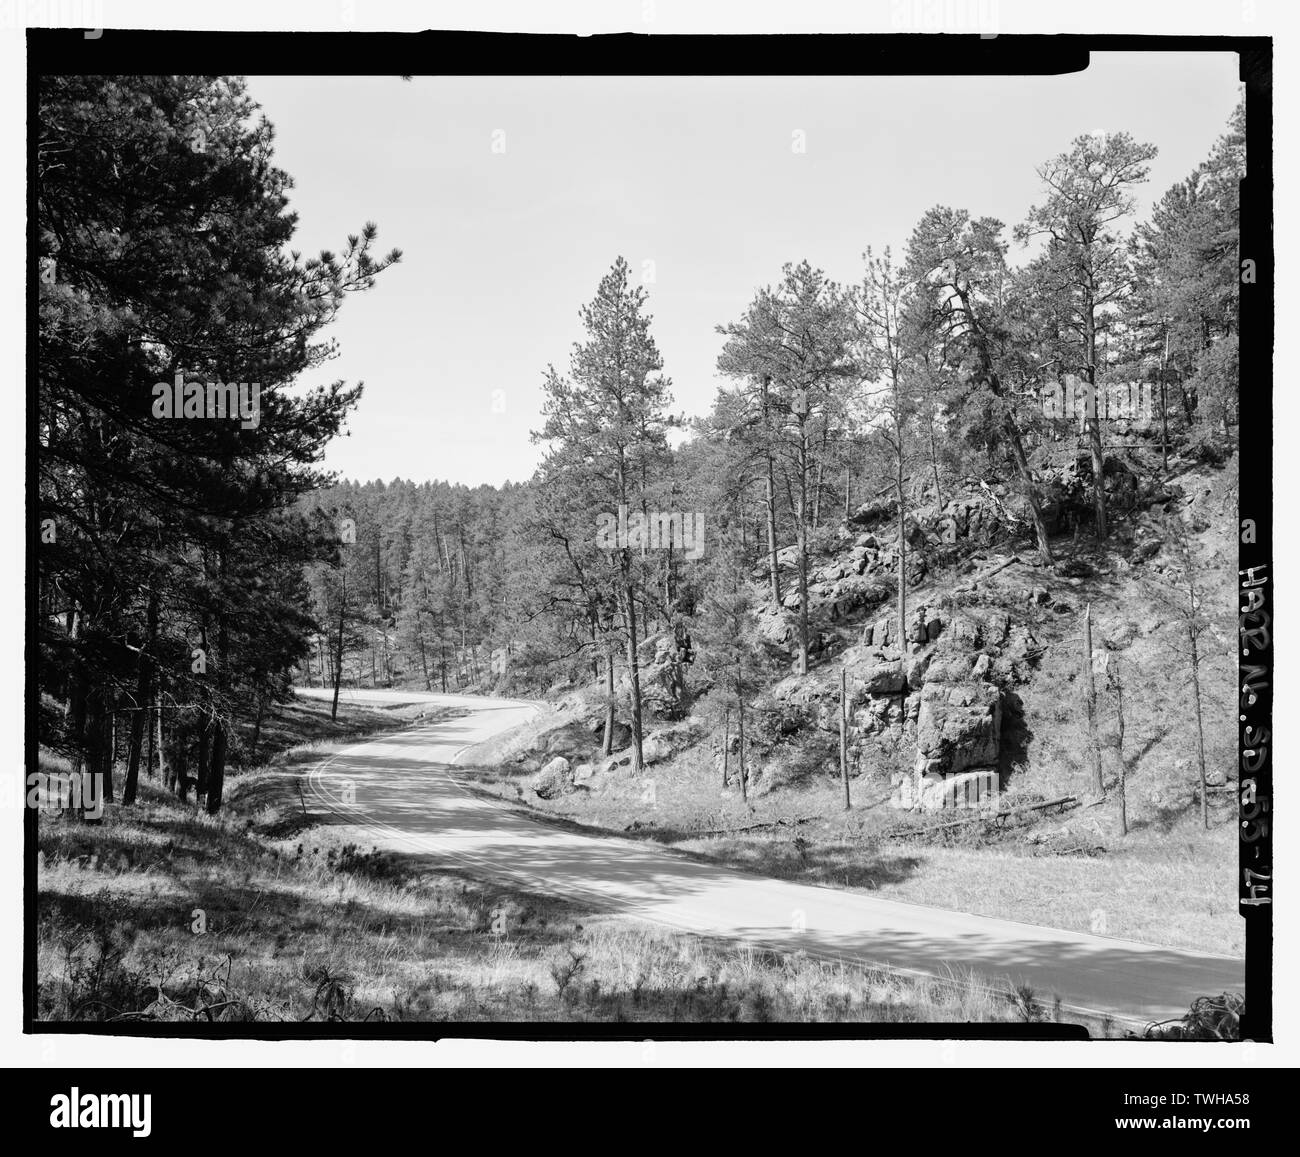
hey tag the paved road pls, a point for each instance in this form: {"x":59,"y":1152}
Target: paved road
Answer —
{"x":403,"y":791}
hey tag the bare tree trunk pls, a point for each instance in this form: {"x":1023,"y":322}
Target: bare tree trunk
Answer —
{"x":77,"y":714}
{"x":180,"y":770}
{"x":217,"y":772}
{"x":1164,"y":407}
{"x":201,"y":767}
{"x":338,"y":649}
{"x":1200,"y":729}
{"x":148,"y":740}
{"x":772,"y":548}
{"x":629,"y":595}
{"x":744,"y":777}
{"x":1092,"y":413}
{"x":165,"y":774}
{"x":902,"y":542}
{"x":99,"y":768}
{"x":773,"y":551}
{"x":726,"y":744}
{"x":802,"y":529}
{"x":424,"y":658}
{"x":817,"y":494}
{"x":607,"y":743}
{"x":934,"y":461}
{"x":257,"y":726}
{"x":844,"y":738}
{"x":1090,"y":704}
{"x":1030,"y":490}
{"x":139,"y":718}
{"x":1123,"y":766}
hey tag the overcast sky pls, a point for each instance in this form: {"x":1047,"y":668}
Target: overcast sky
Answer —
{"x":694,"y":180}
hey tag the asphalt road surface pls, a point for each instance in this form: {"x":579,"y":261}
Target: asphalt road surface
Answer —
{"x":405,"y":793}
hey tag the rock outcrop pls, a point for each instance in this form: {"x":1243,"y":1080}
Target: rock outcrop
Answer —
{"x":554,"y":779}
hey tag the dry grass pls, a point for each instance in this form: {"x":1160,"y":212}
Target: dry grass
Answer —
{"x":1178,"y":890}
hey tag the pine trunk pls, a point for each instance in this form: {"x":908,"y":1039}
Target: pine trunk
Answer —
{"x":607,"y":743}
{"x":1090,"y":705}
{"x":629,"y":594}
{"x":217,"y":772}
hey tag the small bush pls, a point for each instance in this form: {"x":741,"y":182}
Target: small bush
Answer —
{"x":372,"y":865}
{"x":1211,"y":1018}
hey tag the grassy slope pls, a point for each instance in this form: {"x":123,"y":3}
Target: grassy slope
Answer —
{"x":164,"y":913}
{"x":1168,"y":881}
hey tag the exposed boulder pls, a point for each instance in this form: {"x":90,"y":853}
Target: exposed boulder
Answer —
{"x":621,"y":732}
{"x":571,"y":740}
{"x":871,"y":514}
{"x":975,"y":517}
{"x":654,"y":748}
{"x":949,"y":668}
{"x":554,"y":779}
{"x":972,"y":788}
{"x":958,"y":727}
{"x":885,"y":678}
{"x":882,"y":633}
{"x":774,"y":627}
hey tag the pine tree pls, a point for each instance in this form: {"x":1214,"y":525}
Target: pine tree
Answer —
{"x":792,"y":347}
{"x":959,"y":266}
{"x":606,"y":433}
{"x":1084,"y":269}
{"x":162,"y":235}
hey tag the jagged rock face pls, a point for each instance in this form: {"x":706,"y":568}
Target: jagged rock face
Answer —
{"x":1067,"y":490}
{"x":872,"y":513}
{"x":924,"y":625}
{"x":663,"y":683}
{"x":958,"y":727}
{"x":621,"y":734}
{"x":571,"y":740}
{"x":879,"y":679}
{"x":975,"y":517}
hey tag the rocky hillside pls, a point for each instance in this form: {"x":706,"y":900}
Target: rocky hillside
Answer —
{"x":980,"y":694}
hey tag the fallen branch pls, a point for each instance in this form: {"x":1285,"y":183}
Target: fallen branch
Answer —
{"x":997,"y":818}
{"x":755,"y":827}
{"x":1062,"y":803}
{"x":988,"y":574}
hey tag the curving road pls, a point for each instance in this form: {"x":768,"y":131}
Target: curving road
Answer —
{"x":403,"y":793}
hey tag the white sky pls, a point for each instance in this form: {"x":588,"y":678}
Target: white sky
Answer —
{"x":694,"y":174}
